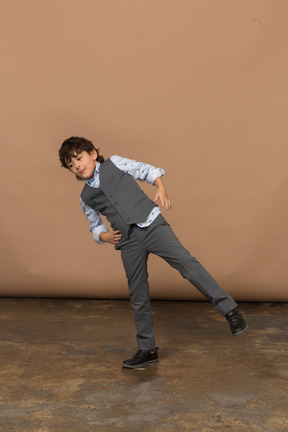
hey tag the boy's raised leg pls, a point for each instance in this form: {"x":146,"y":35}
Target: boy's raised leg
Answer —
{"x":162,"y":241}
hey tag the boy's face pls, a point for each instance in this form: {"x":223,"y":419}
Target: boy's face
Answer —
{"x":83,"y":164}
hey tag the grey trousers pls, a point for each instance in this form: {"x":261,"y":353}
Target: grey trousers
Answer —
{"x":159,"y":239}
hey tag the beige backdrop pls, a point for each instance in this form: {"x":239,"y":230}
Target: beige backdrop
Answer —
{"x":197,"y":87}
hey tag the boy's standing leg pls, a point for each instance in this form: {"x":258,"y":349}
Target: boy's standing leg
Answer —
{"x":134,"y":257}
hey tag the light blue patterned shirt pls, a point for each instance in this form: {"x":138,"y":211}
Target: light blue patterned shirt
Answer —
{"x":140,"y":171}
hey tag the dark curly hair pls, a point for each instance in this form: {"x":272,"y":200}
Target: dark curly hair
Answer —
{"x":76,"y":145}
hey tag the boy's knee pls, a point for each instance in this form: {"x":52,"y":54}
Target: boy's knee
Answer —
{"x":140,"y":305}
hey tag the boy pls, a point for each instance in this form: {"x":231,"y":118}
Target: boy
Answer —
{"x":138,"y":229}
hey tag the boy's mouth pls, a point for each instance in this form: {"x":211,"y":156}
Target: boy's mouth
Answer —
{"x":81,"y":172}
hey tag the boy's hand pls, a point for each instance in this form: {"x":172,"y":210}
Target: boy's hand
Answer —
{"x":162,"y":194}
{"x":112,"y":237}
{"x":165,"y":202}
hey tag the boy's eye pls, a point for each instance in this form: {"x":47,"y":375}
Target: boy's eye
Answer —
{"x":79,"y":157}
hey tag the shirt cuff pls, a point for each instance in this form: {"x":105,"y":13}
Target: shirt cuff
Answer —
{"x":153,"y":174}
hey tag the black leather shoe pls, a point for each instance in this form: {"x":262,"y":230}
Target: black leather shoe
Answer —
{"x":236,"y":322}
{"x":142,"y":358}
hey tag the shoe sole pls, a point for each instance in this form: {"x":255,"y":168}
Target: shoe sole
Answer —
{"x":241,"y":331}
{"x":148,"y":363}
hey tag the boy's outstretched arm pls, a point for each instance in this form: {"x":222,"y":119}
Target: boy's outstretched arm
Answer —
{"x":162,"y":194}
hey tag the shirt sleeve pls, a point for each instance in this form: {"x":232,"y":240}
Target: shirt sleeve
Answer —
{"x":139,"y":170}
{"x":96,"y":226}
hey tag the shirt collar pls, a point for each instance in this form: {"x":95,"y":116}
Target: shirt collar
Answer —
{"x":96,"y":174}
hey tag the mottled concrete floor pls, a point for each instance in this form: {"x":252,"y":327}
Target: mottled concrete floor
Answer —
{"x":60,"y":368}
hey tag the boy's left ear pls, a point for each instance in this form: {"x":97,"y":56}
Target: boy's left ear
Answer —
{"x":94,"y":154}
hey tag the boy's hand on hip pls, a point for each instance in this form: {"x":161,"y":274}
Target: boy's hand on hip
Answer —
{"x":112,"y":237}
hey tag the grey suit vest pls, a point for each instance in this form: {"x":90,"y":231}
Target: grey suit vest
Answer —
{"x":119,"y":198}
